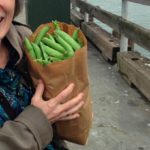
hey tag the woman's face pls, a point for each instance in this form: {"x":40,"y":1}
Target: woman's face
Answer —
{"x":7,"y":8}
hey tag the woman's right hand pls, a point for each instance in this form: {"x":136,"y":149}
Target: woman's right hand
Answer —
{"x":57,"y":109}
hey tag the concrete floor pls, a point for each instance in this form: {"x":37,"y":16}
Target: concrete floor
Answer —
{"x":121,"y":114}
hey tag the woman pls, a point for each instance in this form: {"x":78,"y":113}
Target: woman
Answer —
{"x":25,"y":118}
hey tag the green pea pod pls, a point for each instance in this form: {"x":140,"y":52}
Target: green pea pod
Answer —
{"x":66,"y":46}
{"x":53,"y":45}
{"x":51,"y":37}
{"x":53,"y":52}
{"x":76,"y":37}
{"x":56,"y":24}
{"x":45,"y":56}
{"x":37,"y":51}
{"x":41,"y":34}
{"x":43,"y":62}
{"x":75,"y":34}
{"x":80,"y":42}
{"x":29,"y":47}
{"x":68,"y":39}
{"x":27,"y":44}
{"x":54,"y":59}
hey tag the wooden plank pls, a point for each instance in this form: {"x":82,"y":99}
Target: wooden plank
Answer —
{"x":73,"y":5}
{"x":122,"y":67}
{"x":77,"y":17}
{"x":143,"y":2}
{"x":133,"y":67}
{"x":136,"y":33}
{"x":108,"y":45}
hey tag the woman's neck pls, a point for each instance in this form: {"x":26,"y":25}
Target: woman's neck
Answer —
{"x":4,"y":55}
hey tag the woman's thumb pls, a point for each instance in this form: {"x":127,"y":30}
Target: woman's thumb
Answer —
{"x":39,"y":90}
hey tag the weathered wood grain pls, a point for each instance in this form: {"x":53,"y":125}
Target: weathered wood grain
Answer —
{"x":108,"y":45}
{"x":134,"y":32}
{"x":143,"y":2}
{"x":76,"y":17}
{"x":134,"y":70}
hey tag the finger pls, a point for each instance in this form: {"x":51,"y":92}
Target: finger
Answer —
{"x":70,"y":104}
{"x":70,"y":117}
{"x":39,"y":90}
{"x":60,"y":98}
{"x":66,"y":106}
{"x":76,"y":108}
{"x":73,"y":110}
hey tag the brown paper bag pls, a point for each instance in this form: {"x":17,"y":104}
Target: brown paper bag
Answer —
{"x":57,"y":76}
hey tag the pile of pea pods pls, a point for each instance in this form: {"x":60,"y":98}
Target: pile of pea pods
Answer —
{"x":49,"y":48}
